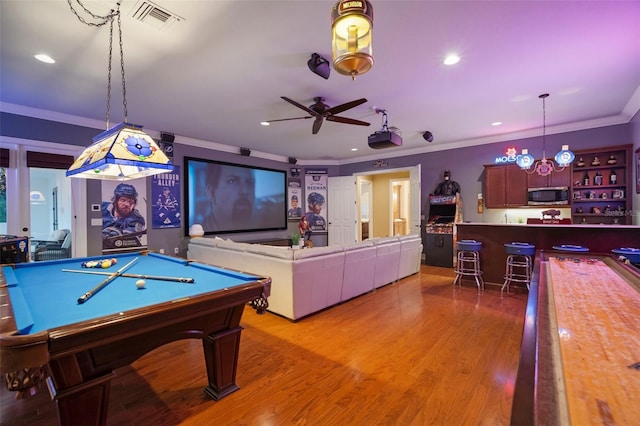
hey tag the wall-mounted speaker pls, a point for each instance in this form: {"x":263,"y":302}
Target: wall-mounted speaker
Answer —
{"x":167,"y":137}
{"x":293,"y":160}
{"x":319,"y":66}
{"x":245,"y":151}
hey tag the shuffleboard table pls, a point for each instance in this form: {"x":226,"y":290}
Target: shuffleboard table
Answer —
{"x":580,"y":354}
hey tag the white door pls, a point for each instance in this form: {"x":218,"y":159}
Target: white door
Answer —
{"x":342,"y":210}
{"x":414,"y":197}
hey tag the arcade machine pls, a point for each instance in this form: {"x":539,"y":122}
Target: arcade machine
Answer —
{"x":444,"y":211}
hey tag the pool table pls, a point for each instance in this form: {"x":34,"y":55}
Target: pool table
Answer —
{"x":80,"y":344}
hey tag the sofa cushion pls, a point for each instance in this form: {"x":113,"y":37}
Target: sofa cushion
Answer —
{"x":231,"y":245}
{"x":211,"y":242}
{"x":315,"y":251}
{"x":357,"y":246}
{"x":271,"y":251}
{"x":384,"y":240}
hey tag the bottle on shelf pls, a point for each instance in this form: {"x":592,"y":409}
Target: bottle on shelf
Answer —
{"x":596,"y":161}
{"x":586,"y":181}
{"x":598,"y":179}
{"x":613,"y":178}
{"x":612,"y":160}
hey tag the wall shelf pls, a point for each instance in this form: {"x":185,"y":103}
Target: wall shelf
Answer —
{"x":618,"y":206}
{"x":599,"y":200}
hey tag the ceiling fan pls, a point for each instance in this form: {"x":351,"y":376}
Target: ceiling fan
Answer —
{"x":321,"y":111}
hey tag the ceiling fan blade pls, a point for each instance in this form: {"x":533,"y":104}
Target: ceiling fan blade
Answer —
{"x":316,"y":125}
{"x":287,"y":119}
{"x":347,"y":120}
{"x":292,"y":102}
{"x":339,"y":108}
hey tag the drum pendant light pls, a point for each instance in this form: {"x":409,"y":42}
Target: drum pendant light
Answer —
{"x":352,"y":36}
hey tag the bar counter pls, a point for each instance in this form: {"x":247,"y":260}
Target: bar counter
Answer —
{"x":598,"y":238}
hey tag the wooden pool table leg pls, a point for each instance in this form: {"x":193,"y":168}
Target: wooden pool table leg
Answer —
{"x":221,"y":356}
{"x":79,"y":401}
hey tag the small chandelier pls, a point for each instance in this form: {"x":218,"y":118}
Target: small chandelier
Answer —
{"x":351,"y":37}
{"x":544,"y":167}
{"x":124,"y":151}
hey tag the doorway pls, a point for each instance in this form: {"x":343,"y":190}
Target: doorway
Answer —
{"x":400,"y":211}
{"x":389,"y":202}
{"x":41,"y":199}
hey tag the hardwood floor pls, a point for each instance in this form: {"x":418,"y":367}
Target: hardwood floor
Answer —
{"x":416,"y":352}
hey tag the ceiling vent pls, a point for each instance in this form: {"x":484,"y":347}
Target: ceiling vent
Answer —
{"x":152,"y":14}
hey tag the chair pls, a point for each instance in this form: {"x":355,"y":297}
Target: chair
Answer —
{"x":54,"y":251}
{"x":56,"y":237}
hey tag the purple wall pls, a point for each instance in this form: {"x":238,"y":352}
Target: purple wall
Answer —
{"x":466,"y":164}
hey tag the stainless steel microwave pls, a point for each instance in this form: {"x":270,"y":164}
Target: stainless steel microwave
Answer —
{"x":548,"y":196}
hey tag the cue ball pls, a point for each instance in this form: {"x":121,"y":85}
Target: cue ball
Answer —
{"x":140,"y":283}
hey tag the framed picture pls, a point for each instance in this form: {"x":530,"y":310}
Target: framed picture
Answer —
{"x":638,"y":171}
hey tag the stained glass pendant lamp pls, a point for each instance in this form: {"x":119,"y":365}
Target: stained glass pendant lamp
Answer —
{"x":123,"y":151}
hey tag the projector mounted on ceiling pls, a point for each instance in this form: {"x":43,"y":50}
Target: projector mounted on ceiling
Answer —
{"x":386,"y":137}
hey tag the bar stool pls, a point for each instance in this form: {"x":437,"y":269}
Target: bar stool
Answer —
{"x":628,"y":255}
{"x":571,"y":248}
{"x":468,"y":262}
{"x":519,"y":264}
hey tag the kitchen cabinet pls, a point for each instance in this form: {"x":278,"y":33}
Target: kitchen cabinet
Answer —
{"x":504,"y":186}
{"x":601,"y":186}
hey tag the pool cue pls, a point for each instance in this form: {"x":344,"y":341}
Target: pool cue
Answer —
{"x":104,"y":283}
{"x":146,"y":277}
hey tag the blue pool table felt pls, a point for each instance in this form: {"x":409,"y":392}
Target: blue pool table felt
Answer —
{"x":44,"y":297}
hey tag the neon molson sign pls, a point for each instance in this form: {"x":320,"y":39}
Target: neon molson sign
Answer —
{"x":510,"y":156}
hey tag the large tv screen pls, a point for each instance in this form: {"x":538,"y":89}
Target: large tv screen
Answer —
{"x":226,"y":197}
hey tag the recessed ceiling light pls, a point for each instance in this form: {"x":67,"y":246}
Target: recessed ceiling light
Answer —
{"x":451,"y":59}
{"x":42,"y":57}
{"x":354,"y":149}
{"x":497,"y":123}
{"x":264,"y":123}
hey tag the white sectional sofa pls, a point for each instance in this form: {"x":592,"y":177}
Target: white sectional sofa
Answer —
{"x":311,"y":279}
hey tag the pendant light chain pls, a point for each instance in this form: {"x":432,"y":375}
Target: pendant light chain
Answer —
{"x":109,"y":73}
{"x":124,"y":86}
{"x":103,"y":20}
{"x":544,"y":125}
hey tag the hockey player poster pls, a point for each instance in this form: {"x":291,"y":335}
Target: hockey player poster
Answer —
{"x":316,"y":192}
{"x":165,"y":189}
{"x":124,"y":211}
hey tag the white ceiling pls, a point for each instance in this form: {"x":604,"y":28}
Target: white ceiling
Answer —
{"x":217,"y":72}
